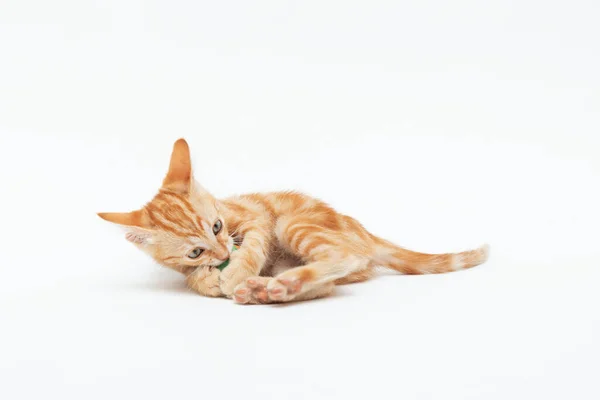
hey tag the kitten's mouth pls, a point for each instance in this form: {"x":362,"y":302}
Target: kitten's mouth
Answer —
{"x":226,"y":263}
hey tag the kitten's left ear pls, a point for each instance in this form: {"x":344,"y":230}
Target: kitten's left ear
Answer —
{"x":135,"y":223}
{"x":179,"y":177}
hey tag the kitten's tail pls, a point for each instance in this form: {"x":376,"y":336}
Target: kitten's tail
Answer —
{"x":410,"y":262}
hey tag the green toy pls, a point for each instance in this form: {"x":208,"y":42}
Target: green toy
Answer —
{"x":226,"y":263}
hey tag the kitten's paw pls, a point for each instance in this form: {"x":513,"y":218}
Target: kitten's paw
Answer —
{"x":204,"y":281}
{"x":231,"y":277}
{"x":252,"y":291}
{"x":283,"y":289}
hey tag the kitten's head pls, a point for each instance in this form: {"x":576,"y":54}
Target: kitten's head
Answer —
{"x":182,"y":226}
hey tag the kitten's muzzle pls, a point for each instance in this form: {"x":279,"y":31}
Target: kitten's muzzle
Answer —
{"x":222,"y":255}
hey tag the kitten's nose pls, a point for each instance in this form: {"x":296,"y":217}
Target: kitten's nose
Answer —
{"x":222,"y":253}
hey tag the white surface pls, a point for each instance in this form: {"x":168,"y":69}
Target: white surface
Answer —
{"x":439,"y":125}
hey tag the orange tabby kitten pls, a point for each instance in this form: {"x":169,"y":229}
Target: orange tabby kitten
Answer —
{"x":292,"y":246}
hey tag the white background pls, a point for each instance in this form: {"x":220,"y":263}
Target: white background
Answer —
{"x":440,"y":125}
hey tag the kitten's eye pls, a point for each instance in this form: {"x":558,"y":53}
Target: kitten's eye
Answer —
{"x":217,"y":227}
{"x":195,"y":253}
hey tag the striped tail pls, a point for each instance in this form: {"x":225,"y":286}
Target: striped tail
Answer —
{"x":410,"y":262}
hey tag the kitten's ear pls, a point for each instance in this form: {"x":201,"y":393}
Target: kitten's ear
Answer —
{"x":134,"y":219}
{"x":179,"y":177}
{"x":135,"y":223}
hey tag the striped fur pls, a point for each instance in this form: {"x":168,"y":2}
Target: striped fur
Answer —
{"x":293,"y":246}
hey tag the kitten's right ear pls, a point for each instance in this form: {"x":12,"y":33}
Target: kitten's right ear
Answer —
{"x":179,"y":176}
{"x":135,"y":223}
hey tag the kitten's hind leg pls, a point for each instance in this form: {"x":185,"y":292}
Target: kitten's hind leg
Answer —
{"x":298,"y":282}
{"x":357,"y":277}
{"x":334,"y":250}
{"x":254,"y":291}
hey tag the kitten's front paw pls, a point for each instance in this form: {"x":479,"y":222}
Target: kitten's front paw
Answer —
{"x":205,"y":281}
{"x":232,"y":276}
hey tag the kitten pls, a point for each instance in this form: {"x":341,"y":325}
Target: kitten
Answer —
{"x":292,"y":246}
